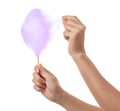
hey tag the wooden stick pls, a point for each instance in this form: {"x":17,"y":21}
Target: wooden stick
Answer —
{"x":37,"y":59}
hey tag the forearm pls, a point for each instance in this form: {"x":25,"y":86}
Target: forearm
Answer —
{"x":106,"y":95}
{"x":71,"y":103}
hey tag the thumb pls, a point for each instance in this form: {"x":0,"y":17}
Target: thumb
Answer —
{"x":64,"y":21}
{"x":44,"y":72}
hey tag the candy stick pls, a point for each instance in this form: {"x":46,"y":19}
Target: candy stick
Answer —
{"x":37,"y":59}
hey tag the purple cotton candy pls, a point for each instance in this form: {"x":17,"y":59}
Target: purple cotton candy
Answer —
{"x":36,"y":30}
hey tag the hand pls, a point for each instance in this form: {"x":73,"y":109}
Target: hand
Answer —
{"x":46,"y":83}
{"x":74,"y":33}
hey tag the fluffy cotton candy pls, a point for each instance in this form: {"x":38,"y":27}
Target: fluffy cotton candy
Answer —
{"x":36,"y":30}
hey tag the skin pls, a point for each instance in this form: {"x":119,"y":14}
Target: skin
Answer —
{"x":45,"y":82}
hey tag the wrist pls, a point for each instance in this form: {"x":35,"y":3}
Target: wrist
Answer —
{"x":60,"y":98}
{"x":78,"y":56}
{"x":66,"y":100}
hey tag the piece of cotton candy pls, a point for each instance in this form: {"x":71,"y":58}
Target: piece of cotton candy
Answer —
{"x":36,"y":30}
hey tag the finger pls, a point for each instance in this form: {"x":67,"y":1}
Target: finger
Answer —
{"x":64,"y":21}
{"x":71,"y":28}
{"x":82,"y":26}
{"x":75,"y":24}
{"x":39,"y":84}
{"x":80,"y":22}
{"x":73,"y":19}
{"x":39,"y":88}
{"x":44,"y":72}
{"x":67,"y":17}
{"x":78,"y":19}
{"x":38,"y":77}
{"x":41,"y":68}
{"x":67,"y":22}
{"x":68,"y":34}
{"x":36,"y":68}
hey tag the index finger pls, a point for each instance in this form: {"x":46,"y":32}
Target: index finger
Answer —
{"x":36,"y":68}
{"x":68,"y":17}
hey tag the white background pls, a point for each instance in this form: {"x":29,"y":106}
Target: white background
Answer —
{"x":102,"y":19}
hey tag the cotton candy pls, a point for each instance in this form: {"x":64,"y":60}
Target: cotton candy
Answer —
{"x":36,"y":30}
